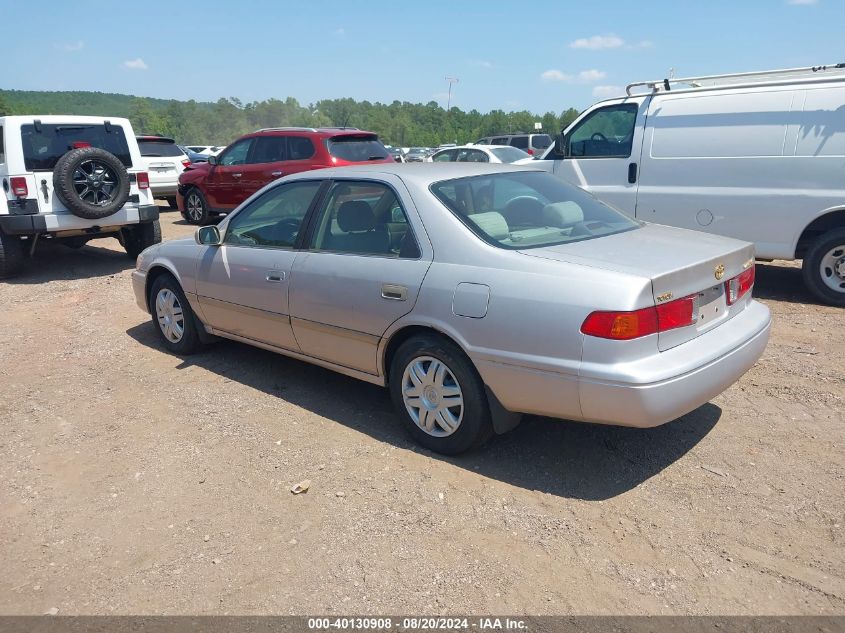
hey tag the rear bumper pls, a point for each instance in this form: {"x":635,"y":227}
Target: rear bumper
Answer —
{"x":56,"y":223}
{"x":164,"y":189}
{"x":642,"y":392}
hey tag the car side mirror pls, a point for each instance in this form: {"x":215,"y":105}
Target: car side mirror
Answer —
{"x":212,"y":160}
{"x":560,"y":145}
{"x":208,"y":236}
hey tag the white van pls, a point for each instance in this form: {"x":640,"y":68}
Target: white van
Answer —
{"x":757,"y":156}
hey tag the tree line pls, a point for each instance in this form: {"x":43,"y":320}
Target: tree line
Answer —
{"x":398,"y":123}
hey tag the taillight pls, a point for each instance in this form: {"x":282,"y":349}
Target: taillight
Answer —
{"x":186,"y":163}
{"x":623,"y":326}
{"x":143,"y":179}
{"x":736,"y":287}
{"x":19,"y":187}
{"x":530,"y":151}
{"x":80,"y":145}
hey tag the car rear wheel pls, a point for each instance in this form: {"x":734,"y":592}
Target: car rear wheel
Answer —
{"x":11,"y":255}
{"x":440,"y":396}
{"x":137,"y":237}
{"x":824,"y":267}
{"x":172,"y":316}
{"x":196,"y":208}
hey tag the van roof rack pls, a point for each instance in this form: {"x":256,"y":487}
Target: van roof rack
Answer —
{"x":734,"y":79}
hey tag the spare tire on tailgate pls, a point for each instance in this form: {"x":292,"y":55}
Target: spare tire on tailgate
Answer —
{"x":91,"y":182}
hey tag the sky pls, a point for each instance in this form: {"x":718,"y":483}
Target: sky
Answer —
{"x":539,"y":56}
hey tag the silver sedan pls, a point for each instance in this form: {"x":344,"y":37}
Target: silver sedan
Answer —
{"x":475,"y":293}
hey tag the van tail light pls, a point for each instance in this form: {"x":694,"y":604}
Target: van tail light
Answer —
{"x":623,"y":326}
{"x":530,"y":151}
{"x":143,"y":179}
{"x":186,"y":163}
{"x":19,"y":187}
{"x":738,"y":286}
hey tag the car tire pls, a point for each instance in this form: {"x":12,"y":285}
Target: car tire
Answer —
{"x":428,"y":372}
{"x":196,"y":207}
{"x":11,"y":255}
{"x":824,"y":267}
{"x":171,"y":202}
{"x":172,"y":316}
{"x":78,"y":181}
{"x":137,"y":237}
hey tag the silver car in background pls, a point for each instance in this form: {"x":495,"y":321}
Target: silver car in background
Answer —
{"x":474,"y":292}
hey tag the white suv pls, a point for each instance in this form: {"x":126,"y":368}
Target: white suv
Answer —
{"x":72,"y":179}
{"x":164,"y":161}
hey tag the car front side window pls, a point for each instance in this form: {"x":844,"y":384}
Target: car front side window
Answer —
{"x":604,"y":133}
{"x":237,"y":153}
{"x":274,"y":220}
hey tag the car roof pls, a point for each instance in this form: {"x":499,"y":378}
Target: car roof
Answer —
{"x":322,"y":132}
{"x":61,"y":118}
{"x":419,"y":173}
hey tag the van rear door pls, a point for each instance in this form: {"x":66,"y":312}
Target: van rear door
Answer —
{"x":602,"y":151}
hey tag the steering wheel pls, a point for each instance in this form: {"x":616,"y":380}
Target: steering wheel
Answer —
{"x":289,"y":227}
{"x":598,"y":136}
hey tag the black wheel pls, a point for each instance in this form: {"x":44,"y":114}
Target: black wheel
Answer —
{"x":137,"y":237}
{"x":439,"y":395}
{"x":74,"y":242}
{"x":171,"y":202}
{"x":172,"y":316}
{"x":196,"y":208}
{"x":824,"y":267}
{"x":91,"y":182}
{"x":11,"y":255}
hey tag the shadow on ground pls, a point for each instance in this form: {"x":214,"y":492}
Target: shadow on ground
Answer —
{"x":781,"y":283}
{"x":562,"y":458}
{"x":54,"y":261}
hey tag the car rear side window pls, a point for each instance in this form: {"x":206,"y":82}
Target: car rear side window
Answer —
{"x":42,"y":148}
{"x":541,"y":141}
{"x":269,"y":149}
{"x":519,"y":141}
{"x":300,"y":148}
{"x":2,"y":147}
{"x":500,"y":140}
{"x":159,"y":148}
{"x":364,"y":218}
{"x":357,"y":149}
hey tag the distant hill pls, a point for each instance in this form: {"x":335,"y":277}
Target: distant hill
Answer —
{"x":77,"y":102}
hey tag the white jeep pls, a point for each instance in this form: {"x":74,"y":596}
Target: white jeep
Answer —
{"x":72,"y":179}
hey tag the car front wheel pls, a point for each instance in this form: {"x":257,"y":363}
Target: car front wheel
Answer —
{"x":824,"y":267}
{"x":172,"y":316}
{"x":439,"y":395}
{"x":196,"y":208}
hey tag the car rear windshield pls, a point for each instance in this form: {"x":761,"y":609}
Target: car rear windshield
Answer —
{"x":42,"y":148}
{"x":509,"y":154}
{"x":357,"y":149}
{"x":518,"y":210}
{"x":159,"y":148}
{"x":541,"y":141}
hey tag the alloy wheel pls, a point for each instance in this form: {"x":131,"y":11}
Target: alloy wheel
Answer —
{"x":95,"y":182}
{"x":193,"y":207}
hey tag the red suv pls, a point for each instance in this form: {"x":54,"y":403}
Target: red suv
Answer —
{"x":245,"y":166}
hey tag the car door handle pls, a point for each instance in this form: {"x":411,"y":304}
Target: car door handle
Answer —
{"x":394,"y":292}
{"x":276,"y":174}
{"x":632,"y":173}
{"x":236,"y":175}
{"x":275,"y":276}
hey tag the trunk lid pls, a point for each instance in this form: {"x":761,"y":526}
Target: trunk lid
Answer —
{"x":678,"y":262}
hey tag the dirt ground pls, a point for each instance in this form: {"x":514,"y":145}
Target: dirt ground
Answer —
{"x":136,"y":482}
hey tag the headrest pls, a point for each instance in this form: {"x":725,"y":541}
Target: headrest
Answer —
{"x":492,"y":223}
{"x":562,"y":214}
{"x":355,"y":215}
